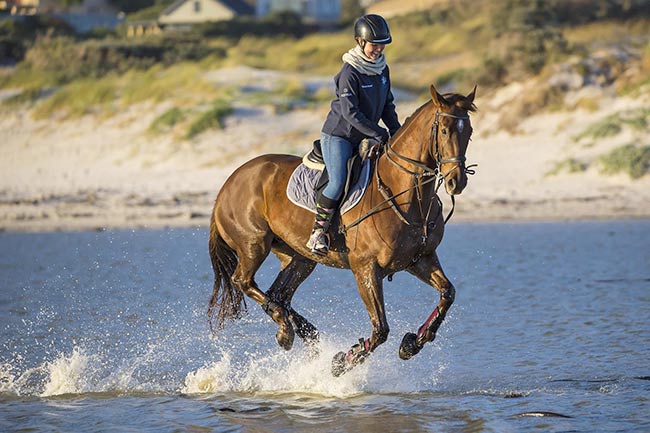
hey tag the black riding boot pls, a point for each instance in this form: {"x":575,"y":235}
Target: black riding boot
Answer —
{"x":319,"y":241}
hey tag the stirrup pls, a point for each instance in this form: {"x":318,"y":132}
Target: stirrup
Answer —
{"x":319,"y":242}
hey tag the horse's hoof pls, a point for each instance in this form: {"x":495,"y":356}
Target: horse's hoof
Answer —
{"x":338,"y":364}
{"x":409,"y":346}
{"x":344,"y":362}
{"x":285,"y":336}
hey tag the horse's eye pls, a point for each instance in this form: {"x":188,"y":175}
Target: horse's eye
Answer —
{"x":444,"y":131}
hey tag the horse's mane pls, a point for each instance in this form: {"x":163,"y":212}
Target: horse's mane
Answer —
{"x":452,"y":99}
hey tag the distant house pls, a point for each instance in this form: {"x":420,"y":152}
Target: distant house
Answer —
{"x":314,"y":11}
{"x":19,"y":7}
{"x":188,"y":12}
{"x":185,"y":13}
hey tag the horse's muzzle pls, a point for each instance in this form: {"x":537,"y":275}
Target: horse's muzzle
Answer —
{"x":456,"y":184}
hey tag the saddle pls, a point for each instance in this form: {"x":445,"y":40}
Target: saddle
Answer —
{"x":314,"y":159}
{"x":310,"y":178}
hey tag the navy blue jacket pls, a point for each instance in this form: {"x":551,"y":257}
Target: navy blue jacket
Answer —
{"x":361,"y":101}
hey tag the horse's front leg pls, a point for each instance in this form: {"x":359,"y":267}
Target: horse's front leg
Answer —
{"x":369,"y":282}
{"x":428,"y":270}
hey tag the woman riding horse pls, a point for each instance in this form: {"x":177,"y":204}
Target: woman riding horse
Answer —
{"x":396,"y":226}
{"x":363,"y":97}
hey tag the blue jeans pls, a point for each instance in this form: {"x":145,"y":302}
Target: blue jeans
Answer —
{"x":336,"y":152}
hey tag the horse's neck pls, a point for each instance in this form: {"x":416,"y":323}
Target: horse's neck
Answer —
{"x":412,"y":143}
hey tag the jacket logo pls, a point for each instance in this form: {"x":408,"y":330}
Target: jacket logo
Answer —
{"x":366,"y":86}
{"x":384,"y":80}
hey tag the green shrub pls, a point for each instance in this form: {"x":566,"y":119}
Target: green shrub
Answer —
{"x":638,"y":120}
{"x":77,"y":99}
{"x":494,"y":71}
{"x":18,"y":33}
{"x":167,"y":120}
{"x":54,"y":56}
{"x":612,"y":125}
{"x":210,"y":119}
{"x":570,"y":165}
{"x":64,"y":59}
{"x":630,"y":159}
{"x":609,"y":127}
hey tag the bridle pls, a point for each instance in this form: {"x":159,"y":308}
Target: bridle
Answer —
{"x":433,"y":150}
{"x":432,"y":174}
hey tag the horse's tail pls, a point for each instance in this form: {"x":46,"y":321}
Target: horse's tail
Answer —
{"x":226,"y":302}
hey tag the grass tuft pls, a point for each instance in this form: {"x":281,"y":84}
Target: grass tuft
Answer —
{"x":210,"y":119}
{"x":167,"y":120}
{"x":570,"y":165}
{"x":630,"y":159}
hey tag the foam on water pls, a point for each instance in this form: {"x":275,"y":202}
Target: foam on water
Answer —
{"x":279,"y":372}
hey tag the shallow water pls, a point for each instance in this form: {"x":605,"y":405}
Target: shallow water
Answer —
{"x":107,"y":331}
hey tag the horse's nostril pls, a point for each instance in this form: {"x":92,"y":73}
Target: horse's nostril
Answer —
{"x":451,"y":184}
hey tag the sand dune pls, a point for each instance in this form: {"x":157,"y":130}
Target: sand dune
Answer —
{"x":95,"y":173}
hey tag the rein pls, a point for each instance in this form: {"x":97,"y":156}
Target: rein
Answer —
{"x":434,"y":174}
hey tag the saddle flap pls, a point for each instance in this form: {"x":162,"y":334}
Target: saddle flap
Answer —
{"x":303,"y":186}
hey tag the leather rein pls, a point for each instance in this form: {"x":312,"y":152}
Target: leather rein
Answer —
{"x":425,"y":176}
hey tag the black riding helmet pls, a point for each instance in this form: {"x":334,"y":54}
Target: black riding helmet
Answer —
{"x":372,"y":28}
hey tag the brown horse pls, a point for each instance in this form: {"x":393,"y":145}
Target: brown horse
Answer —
{"x":396,"y":226}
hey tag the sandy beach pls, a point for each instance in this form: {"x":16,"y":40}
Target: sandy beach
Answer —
{"x":95,"y":173}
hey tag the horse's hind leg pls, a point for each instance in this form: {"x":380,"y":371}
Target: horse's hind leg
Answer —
{"x":294,"y":269}
{"x":243,"y":278}
{"x":428,"y":270}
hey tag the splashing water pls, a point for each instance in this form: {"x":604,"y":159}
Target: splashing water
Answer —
{"x":281,"y":372}
{"x":276,"y":372}
{"x":68,"y":374}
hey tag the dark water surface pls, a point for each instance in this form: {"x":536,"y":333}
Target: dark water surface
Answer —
{"x":107,"y":331}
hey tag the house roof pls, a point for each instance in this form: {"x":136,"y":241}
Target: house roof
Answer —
{"x":237,"y":6}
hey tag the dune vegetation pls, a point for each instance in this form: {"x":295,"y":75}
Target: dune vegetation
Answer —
{"x":455,"y":46}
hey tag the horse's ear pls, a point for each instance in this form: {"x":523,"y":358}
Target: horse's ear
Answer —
{"x":472,"y":95}
{"x":436,"y":97}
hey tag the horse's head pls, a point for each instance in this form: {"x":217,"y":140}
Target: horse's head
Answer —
{"x":450,"y":137}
